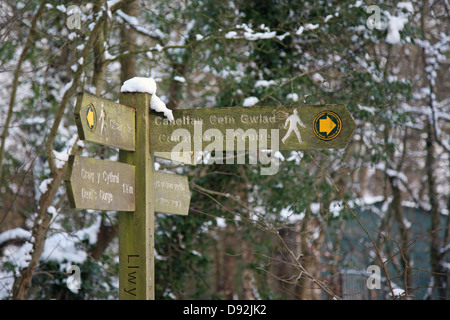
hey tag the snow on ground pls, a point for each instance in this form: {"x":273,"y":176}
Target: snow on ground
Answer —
{"x":61,"y":247}
{"x":397,"y":292}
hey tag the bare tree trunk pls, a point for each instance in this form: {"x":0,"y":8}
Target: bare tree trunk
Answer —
{"x":105,"y":235}
{"x":304,"y":283}
{"x":248,"y":278}
{"x":179,"y":69}
{"x":218,"y":265}
{"x":128,"y":44}
{"x":444,"y":251}
{"x":397,"y":212}
{"x":229,"y":262}
{"x":40,"y":228}
{"x":435,"y":256}
{"x":100,"y":64}
{"x":336,"y":280}
{"x":308,"y":289}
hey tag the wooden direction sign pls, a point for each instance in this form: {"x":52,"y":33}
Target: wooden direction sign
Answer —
{"x":107,"y":185}
{"x":171,"y":193}
{"x":100,"y":184}
{"x":241,"y":128}
{"x":105,"y":122}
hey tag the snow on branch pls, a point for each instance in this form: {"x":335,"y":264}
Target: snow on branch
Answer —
{"x":134,"y":23}
{"x":247,"y":33}
{"x":14,"y":234}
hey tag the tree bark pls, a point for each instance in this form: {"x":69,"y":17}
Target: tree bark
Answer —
{"x":440,"y":280}
{"x":436,"y":257}
{"x":229,"y":261}
{"x":248,"y":279}
{"x":22,"y":283}
{"x":128,"y":44}
{"x":308,"y":289}
{"x":105,"y":235}
{"x":100,"y":64}
{"x":397,"y":212}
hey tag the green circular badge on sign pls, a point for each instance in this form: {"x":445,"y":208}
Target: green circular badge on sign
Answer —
{"x":327,"y":125}
{"x":91,"y":117}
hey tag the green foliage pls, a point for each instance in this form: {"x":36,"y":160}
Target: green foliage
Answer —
{"x":335,"y":59}
{"x":98,"y":281}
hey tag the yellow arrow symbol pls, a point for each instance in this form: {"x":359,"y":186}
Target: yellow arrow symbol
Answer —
{"x":326,"y":125}
{"x":90,"y":118}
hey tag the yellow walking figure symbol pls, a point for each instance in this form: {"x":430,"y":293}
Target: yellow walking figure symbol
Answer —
{"x":293,"y":120}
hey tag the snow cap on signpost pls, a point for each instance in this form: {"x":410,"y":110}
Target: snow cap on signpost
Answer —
{"x":148,"y":85}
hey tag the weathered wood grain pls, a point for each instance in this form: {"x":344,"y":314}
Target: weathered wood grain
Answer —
{"x":106,"y":122}
{"x":136,"y":230}
{"x":100,"y":184}
{"x":178,"y":157}
{"x":171,"y":193}
{"x":196,"y":127}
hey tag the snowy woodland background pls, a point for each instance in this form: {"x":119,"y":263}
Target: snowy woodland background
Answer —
{"x":309,"y":232}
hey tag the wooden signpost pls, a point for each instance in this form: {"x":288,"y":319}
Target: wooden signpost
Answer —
{"x":132,"y":186}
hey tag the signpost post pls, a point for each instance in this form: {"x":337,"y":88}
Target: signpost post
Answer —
{"x":132,"y":186}
{"x":136,"y":230}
